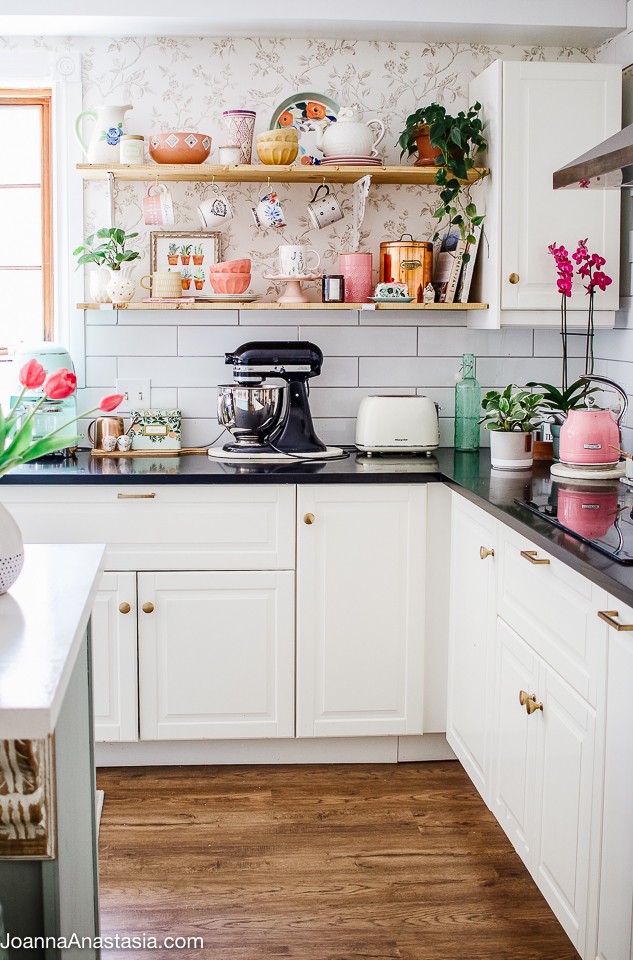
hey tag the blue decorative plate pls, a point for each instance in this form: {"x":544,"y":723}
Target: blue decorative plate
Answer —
{"x":305,"y":112}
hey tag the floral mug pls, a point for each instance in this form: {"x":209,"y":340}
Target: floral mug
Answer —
{"x":268,"y":212}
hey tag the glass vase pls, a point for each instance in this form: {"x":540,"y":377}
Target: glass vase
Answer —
{"x":467,"y":407}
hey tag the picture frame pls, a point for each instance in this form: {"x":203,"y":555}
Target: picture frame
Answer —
{"x":194,"y":267}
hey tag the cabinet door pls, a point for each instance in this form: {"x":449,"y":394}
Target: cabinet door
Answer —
{"x":216,"y":655}
{"x":553,"y":113}
{"x":471,"y":632}
{"x":514,"y":743}
{"x":615,"y":923}
{"x":114,"y":666}
{"x":360,"y":609}
{"x":563,"y":798}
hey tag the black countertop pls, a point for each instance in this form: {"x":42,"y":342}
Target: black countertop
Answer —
{"x":469,"y":474}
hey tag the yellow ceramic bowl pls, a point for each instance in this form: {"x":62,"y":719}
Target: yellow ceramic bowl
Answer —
{"x":284,"y":136}
{"x":277,"y":152}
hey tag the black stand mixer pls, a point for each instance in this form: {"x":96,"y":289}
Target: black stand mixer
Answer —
{"x":271,"y":421}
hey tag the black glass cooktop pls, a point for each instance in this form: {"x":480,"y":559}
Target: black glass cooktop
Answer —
{"x":599,"y":514}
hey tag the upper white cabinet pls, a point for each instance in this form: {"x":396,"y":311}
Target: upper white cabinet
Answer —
{"x":360,"y":609}
{"x":538,"y":117}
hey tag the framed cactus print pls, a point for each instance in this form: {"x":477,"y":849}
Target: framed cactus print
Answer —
{"x":189,"y":253}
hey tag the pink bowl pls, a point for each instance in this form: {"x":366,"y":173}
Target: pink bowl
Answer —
{"x":230,"y":282}
{"x":232,"y":266}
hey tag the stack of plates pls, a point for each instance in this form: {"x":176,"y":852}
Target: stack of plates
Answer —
{"x":352,"y":161}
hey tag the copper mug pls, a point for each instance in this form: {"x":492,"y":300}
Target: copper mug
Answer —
{"x":105,"y":427}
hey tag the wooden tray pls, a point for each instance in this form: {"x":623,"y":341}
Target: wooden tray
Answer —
{"x":185,"y":451}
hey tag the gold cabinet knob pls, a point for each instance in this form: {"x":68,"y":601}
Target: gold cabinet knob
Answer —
{"x":309,"y":518}
{"x":528,"y":700}
{"x":532,"y":706}
{"x":148,"y":607}
{"x":514,"y":278}
{"x":483,"y":553}
{"x":531,"y":556}
{"x":124,"y":607}
{"x":524,"y":697}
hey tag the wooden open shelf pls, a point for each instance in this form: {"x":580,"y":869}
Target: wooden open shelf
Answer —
{"x":259,"y":305}
{"x":260,"y":173}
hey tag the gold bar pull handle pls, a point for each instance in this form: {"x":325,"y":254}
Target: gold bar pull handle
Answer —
{"x":531,"y":556}
{"x":135,"y":496}
{"x":484,"y":552}
{"x":608,"y":615}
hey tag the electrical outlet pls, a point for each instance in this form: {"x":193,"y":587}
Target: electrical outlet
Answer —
{"x":136,"y":394}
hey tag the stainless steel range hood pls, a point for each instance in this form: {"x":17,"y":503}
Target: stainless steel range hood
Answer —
{"x":607,"y":166}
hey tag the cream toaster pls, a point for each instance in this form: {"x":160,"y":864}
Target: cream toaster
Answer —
{"x":393,"y":424}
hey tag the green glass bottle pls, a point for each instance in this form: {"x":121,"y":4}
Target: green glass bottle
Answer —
{"x":467,"y":407}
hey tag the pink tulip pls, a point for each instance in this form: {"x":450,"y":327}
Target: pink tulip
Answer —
{"x":111,"y":402}
{"x":60,"y":384}
{"x":32,"y":375}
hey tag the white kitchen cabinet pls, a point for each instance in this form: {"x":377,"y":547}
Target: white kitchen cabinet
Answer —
{"x":216,"y":654}
{"x":360,"y":609}
{"x":538,"y":117}
{"x":472,"y":615}
{"x":615,"y":916}
{"x":114,"y":661}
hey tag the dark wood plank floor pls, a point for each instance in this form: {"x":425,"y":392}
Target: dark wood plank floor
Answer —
{"x":319,"y":862}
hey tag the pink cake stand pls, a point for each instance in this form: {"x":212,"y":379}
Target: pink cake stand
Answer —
{"x":293,"y":292}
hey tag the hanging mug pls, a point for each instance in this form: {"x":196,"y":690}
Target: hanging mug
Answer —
{"x":215,"y":212}
{"x":158,"y":209}
{"x":325,"y":211}
{"x":268,"y":212}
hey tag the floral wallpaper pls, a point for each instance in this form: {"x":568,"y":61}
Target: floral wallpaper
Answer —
{"x":185,"y":83}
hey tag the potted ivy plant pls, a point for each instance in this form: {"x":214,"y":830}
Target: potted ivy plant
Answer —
{"x":511,"y":416}
{"x":451,"y":143}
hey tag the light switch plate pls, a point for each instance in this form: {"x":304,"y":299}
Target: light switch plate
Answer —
{"x":136,"y":394}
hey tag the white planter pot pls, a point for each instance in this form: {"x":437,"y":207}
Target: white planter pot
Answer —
{"x":11,"y":550}
{"x":510,"y":450}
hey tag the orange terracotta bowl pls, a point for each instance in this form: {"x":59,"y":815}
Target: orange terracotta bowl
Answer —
{"x":230,"y":282}
{"x":179,"y":147}
{"x":232,"y":266}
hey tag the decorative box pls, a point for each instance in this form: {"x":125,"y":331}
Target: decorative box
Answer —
{"x":391,"y":291}
{"x":155,"y":430}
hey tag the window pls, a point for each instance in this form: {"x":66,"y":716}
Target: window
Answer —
{"x":26,"y":278}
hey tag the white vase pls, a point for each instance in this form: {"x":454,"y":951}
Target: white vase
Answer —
{"x":510,"y":450}
{"x":11,"y":550}
{"x":120,"y":286}
{"x":97,"y":284}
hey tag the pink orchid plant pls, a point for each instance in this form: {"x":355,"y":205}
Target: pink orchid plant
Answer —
{"x":17,"y":445}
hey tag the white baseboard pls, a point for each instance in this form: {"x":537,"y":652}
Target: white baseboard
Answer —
{"x":147,"y":753}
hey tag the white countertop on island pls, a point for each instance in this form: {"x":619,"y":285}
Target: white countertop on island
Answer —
{"x":43,"y":620}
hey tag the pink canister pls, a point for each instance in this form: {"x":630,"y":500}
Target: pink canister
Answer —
{"x":357,"y":270}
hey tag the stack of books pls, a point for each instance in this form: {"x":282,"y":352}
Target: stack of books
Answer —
{"x":452,"y":277}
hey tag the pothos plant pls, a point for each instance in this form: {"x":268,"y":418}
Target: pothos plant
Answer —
{"x":459,"y":140}
{"x":111,"y":252}
{"x":518,"y":410}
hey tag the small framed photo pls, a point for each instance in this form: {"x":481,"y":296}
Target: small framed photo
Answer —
{"x":189,"y":253}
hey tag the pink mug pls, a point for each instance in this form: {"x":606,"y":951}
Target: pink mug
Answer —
{"x":158,"y":209}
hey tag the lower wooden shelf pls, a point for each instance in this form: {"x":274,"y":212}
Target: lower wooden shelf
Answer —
{"x":260,"y":305}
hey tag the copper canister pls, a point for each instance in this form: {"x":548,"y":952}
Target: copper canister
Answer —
{"x":407,"y":261}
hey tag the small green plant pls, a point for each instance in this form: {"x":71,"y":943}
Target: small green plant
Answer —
{"x":198,"y":274}
{"x":173,"y":250}
{"x":112,"y":252}
{"x":510,"y":410}
{"x":459,"y":139}
{"x":558,"y":403}
{"x":185,"y":250}
{"x":198,"y":252}
{"x":185,"y":273}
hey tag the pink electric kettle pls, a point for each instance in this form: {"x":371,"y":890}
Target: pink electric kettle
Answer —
{"x":588,"y":436}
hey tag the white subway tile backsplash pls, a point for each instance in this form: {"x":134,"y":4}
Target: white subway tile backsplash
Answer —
{"x":325,"y":318}
{"x":336,"y":431}
{"x":521,"y":370}
{"x":131,"y":341}
{"x":101,"y":372}
{"x":175,"y":371}
{"x":343,"y":402}
{"x":412,"y":318}
{"x":362,"y":341}
{"x":338,"y":372}
{"x":198,"y":401}
{"x":406,"y":371}
{"x":174,"y":318}
{"x":438,"y":342}
{"x":548,"y":343}
{"x":614,"y":345}
{"x":445,"y":396}
{"x":164,"y":398}
{"x":202,"y":433}
{"x":216,"y":341}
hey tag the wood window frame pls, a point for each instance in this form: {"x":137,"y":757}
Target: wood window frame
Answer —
{"x":42,"y":98}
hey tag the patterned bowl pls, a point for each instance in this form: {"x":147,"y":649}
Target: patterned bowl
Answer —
{"x":277,"y":152}
{"x":289,"y":135}
{"x":179,"y":147}
{"x":232,"y":266}
{"x":230,"y":282}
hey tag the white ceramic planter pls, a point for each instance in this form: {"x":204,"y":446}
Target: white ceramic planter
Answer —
{"x":511,"y":450}
{"x":11,"y":550}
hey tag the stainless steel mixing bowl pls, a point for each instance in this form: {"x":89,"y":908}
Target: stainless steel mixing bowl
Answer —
{"x":250,"y":413}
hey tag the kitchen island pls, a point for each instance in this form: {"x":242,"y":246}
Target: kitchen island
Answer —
{"x":48,"y":854}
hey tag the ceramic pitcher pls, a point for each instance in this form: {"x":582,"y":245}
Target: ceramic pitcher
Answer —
{"x":120,"y":287}
{"x":103,"y":145}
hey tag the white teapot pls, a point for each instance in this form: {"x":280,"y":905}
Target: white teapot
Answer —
{"x":348,"y":137}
